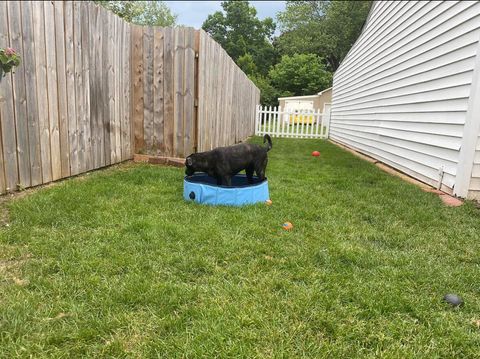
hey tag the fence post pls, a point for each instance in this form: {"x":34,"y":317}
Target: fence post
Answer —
{"x":257,"y":114}
{"x":326,"y":112}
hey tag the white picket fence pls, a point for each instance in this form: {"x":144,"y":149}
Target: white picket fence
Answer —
{"x":279,"y":122}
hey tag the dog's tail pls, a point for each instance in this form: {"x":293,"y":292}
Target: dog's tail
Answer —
{"x":265,"y":139}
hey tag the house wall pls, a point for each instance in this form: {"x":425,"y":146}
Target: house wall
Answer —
{"x":320,"y":100}
{"x":401,"y":94}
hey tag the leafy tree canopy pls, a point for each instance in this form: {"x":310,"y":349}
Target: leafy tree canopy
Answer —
{"x":300,"y":74}
{"x":238,"y":30}
{"x":149,"y":13}
{"x":326,"y":28}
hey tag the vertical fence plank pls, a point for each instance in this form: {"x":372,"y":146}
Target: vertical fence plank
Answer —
{"x":189,"y":89}
{"x":19,"y":95}
{"x":168,"y":90}
{"x":52,"y":91}
{"x":158,"y":120}
{"x":127,"y":74}
{"x":105,"y":49}
{"x":62,"y":88}
{"x":79,"y":84}
{"x":118,"y":84}
{"x":7,"y":114}
{"x":85,"y":74}
{"x":179,"y":90}
{"x":137,"y":83}
{"x":148,"y":88}
{"x":31,"y":95}
{"x":70,"y":83}
{"x":110,"y":135}
{"x":41,"y":89}
{"x":92,"y":61}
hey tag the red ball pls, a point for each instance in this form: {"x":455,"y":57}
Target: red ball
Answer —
{"x":315,"y":153}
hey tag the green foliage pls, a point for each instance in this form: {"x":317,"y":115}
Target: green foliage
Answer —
{"x":325,"y":28}
{"x":300,"y":74}
{"x":238,"y":30}
{"x":268,"y":93}
{"x":8,"y":60}
{"x":247,"y":64}
{"x":149,"y":13}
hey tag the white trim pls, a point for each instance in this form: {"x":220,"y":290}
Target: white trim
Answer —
{"x":297,"y":97}
{"x":471,"y":131}
{"x":321,"y":92}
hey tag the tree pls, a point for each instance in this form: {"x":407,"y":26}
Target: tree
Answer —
{"x":326,"y":28}
{"x":300,"y":74}
{"x":268,"y":94}
{"x":150,"y":13}
{"x":238,"y":30}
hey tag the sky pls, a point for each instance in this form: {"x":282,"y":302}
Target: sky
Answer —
{"x":194,"y":13}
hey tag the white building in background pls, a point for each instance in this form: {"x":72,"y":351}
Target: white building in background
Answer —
{"x":312,"y":102}
{"x":408,"y":92}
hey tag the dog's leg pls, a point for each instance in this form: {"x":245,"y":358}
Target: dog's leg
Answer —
{"x":260,"y":170}
{"x":249,"y":172}
{"x":228,"y":181}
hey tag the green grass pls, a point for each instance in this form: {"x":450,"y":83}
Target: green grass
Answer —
{"x":116,"y":264}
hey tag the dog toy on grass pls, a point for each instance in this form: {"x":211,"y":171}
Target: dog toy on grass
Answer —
{"x":287,"y":226}
{"x":268,"y":202}
{"x":315,"y":154}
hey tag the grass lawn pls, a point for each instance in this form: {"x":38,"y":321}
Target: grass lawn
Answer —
{"x":116,"y":264}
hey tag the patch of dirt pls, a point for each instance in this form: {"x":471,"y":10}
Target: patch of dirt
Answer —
{"x":10,"y":270}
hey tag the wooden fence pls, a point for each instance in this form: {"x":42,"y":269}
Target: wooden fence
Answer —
{"x":227,"y":98}
{"x":279,"y":122}
{"x":92,"y":90}
{"x":66,"y":110}
{"x":163,"y":90}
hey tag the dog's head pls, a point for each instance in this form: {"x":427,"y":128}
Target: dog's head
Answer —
{"x":190,"y":165}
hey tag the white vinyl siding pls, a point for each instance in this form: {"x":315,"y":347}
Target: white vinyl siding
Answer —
{"x":401,"y":94}
{"x":475,"y":182}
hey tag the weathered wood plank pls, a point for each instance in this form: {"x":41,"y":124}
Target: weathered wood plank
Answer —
{"x":118,"y":85}
{"x":41,"y":89}
{"x":111,"y":89}
{"x":99,"y":88}
{"x":128,"y":118}
{"x":79,"y":86}
{"x":7,"y":116}
{"x":189,"y":89}
{"x":158,"y":140}
{"x":179,"y":64}
{"x":148,"y":88}
{"x":105,"y":85}
{"x":19,"y":95}
{"x":200,"y":94}
{"x":168,"y":91}
{"x":31,"y":94}
{"x":62,"y":88}
{"x":85,"y":43}
{"x":92,"y":85}
{"x":196,"y":48}
{"x":52,"y":91}
{"x":137,"y":87}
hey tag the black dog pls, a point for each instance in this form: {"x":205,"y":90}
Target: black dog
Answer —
{"x":224,"y":162}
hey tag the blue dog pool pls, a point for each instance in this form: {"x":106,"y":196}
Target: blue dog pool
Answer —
{"x":204,"y":189}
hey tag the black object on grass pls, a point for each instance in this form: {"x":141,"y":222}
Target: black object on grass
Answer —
{"x":453,"y":299}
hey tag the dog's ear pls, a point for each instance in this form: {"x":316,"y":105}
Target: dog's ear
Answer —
{"x":189,"y":161}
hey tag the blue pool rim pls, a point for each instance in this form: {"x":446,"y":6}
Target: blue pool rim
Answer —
{"x":203,"y":189}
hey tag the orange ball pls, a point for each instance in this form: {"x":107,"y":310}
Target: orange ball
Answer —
{"x":287,"y":226}
{"x":315,"y":153}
